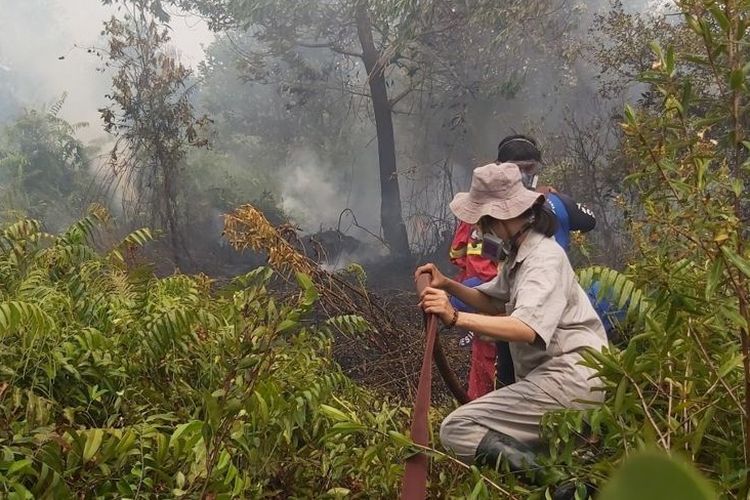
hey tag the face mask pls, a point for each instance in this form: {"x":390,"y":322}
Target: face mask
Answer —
{"x":496,"y":249}
{"x":493,"y":248}
{"x":529,"y":180}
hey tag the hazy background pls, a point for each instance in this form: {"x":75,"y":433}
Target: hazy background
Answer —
{"x":315,"y":154}
{"x":35,"y":33}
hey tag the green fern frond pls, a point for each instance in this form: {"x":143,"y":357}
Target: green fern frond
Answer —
{"x":17,"y":237}
{"x":14,"y":314}
{"x":56,"y":107}
{"x":349,"y":324}
{"x":71,"y":255}
{"x":137,"y":239}
{"x":176,"y":289}
{"x":35,"y":280}
{"x":618,"y":289}
{"x":169,"y":329}
{"x":82,"y":231}
{"x":256,"y":278}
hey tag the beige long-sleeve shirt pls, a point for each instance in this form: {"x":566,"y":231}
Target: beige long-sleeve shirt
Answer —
{"x":538,"y":286}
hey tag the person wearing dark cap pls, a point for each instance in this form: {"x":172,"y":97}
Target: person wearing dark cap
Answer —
{"x":466,"y":253}
{"x":571,"y":215}
{"x":535,"y":304}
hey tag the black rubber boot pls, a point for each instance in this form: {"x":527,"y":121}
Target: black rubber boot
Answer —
{"x":567,"y":491}
{"x":497,"y":448}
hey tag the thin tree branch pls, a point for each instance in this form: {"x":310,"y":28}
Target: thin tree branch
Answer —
{"x":392,"y":103}
{"x":327,"y":45}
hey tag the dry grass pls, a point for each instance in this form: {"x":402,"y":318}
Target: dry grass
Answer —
{"x":388,"y":358}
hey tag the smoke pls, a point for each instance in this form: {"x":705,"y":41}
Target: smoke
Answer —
{"x":315,"y":193}
{"x":43,"y":55}
{"x":310,"y":196}
{"x":554,"y":88}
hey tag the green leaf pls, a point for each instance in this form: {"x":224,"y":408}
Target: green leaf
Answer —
{"x":188,"y":430}
{"x":630,"y":355}
{"x":304,"y":281}
{"x":285,"y":325}
{"x":694,"y":24}
{"x":308,"y":287}
{"x":605,"y":360}
{"x":733,"y":316}
{"x":670,"y":61}
{"x":339,"y":492}
{"x":630,"y":114}
{"x":741,"y":264}
{"x":736,"y":79}
{"x":625,"y":294}
{"x":622,"y":390}
{"x":262,"y":407}
{"x":93,"y":442}
{"x":700,"y":430}
{"x":652,"y":475}
{"x":334,"y":413}
{"x":347,"y":428}
{"x":720,"y":17}
{"x":248,"y":362}
{"x":400,"y":439}
{"x":733,"y":363}
{"x":741,"y":29}
{"x":19,"y":466}
{"x":479,"y":491}
{"x":698,"y":59}
{"x":21,"y":492}
{"x":715,"y":273}
{"x":656,"y":49}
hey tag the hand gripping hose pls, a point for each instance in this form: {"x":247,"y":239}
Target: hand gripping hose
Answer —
{"x":414,"y":485}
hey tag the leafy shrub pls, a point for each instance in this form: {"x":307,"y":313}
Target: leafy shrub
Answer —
{"x":681,"y":382}
{"x":114,"y":383}
{"x":43,"y":168}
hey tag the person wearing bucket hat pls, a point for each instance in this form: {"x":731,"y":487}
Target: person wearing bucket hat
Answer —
{"x":489,"y":360}
{"x":536,"y":305}
{"x":466,"y":253}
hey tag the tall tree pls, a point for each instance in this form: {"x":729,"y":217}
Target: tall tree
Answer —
{"x":404,"y":47}
{"x":391,"y":217}
{"x":150,"y":115}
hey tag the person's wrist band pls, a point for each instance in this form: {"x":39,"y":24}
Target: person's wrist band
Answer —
{"x":454,"y":319}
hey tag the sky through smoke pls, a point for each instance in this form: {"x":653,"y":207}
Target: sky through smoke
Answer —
{"x":35,"y":34}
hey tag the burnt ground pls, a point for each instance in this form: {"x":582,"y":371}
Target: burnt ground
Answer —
{"x":393,"y":364}
{"x":388,"y":359}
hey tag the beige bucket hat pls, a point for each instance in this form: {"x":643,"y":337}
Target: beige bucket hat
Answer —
{"x":497,"y":191}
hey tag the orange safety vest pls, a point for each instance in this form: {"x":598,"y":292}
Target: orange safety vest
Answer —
{"x":466,"y":253}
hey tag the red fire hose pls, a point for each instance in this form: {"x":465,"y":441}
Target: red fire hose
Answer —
{"x":414,"y":485}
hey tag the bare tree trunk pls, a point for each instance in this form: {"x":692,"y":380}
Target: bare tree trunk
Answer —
{"x":173,"y":228}
{"x":168,"y":203}
{"x":391,"y":219}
